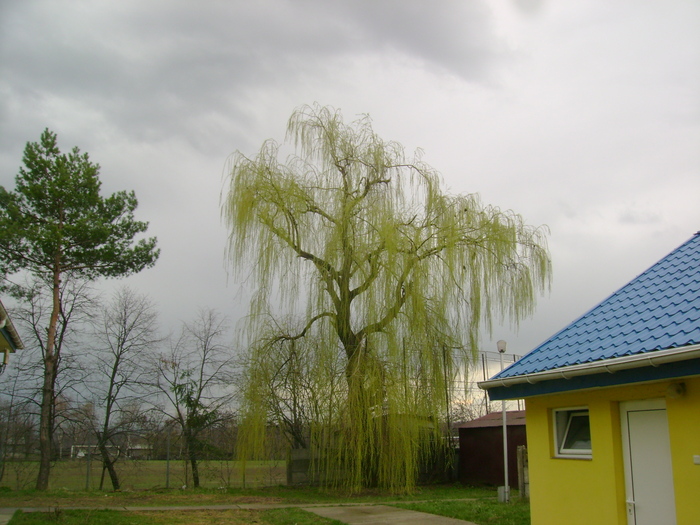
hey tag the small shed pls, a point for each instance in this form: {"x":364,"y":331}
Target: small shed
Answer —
{"x":481,"y":448}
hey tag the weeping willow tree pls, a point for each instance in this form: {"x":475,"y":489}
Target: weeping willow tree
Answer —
{"x":381,"y":281}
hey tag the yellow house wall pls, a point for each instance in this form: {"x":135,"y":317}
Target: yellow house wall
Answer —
{"x":585,"y":491}
{"x":684,"y":424}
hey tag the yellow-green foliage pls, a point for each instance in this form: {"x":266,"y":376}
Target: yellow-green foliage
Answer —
{"x":383,"y":280}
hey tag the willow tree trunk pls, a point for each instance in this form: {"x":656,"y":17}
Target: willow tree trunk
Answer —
{"x":364,"y":452}
{"x":46,"y":422}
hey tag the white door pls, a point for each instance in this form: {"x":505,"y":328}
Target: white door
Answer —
{"x":647,"y":456}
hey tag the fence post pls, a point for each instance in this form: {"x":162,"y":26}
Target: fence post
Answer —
{"x":167,"y":463}
{"x":87,"y":473}
{"x":523,"y":473}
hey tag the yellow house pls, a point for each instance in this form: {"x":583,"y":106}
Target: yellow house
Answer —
{"x":9,"y":339}
{"x":613,"y":405}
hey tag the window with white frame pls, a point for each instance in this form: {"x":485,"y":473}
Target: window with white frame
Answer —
{"x":572,"y":433}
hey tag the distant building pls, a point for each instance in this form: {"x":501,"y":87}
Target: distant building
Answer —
{"x":131,"y":451}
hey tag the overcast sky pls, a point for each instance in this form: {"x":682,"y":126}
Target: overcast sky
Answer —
{"x":580,"y":115}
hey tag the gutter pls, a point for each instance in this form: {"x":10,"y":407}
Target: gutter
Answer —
{"x":6,"y":324}
{"x":652,"y":358}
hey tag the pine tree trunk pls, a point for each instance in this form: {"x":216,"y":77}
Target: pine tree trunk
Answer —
{"x":46,"y":423}
{"x":48,"y":387}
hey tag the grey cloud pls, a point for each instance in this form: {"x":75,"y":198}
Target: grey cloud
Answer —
{"x":165,"y":64}
{"x":458,"y":36}
{"x":639,"y":216}
{"x":596,"y":110}
{"x":529,"y":6}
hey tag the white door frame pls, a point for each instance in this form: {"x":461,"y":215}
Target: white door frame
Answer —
{"x":662,"y":454}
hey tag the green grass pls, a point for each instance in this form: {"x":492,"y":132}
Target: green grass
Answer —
{"x":296,"y":516}
{"x":279,"y":494}
{"x":68,"y":517}
{"x":482,"y":512}
{"x":435,"y":499}
{"x":139,"y":475}
{"x":114,"y":517}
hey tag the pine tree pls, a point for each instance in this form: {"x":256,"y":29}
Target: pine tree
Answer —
{"x":56,"y":225}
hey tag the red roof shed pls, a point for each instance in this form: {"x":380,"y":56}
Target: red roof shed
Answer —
{"x":481,"y":448}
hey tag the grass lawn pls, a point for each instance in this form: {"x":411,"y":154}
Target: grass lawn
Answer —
{"x":194,"y":517}
{"x":279,"y":494}
{"x":435,"y":499}
{"x":483,"y":512}
{"x":139,"y":475}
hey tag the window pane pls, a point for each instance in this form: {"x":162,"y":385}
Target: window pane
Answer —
{"x":578,"y":433}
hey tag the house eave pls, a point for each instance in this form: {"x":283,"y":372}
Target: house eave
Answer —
{"x":610,"y":366}
{"x":8,"y":331}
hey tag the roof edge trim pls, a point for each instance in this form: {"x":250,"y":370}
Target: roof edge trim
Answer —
{"x":10,"y":329}
{"x":609,"y":366}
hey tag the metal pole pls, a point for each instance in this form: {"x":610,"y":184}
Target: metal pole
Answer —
{"x":483,"y":369}
{"x":506,"y":489}
{"x":87,"y":472}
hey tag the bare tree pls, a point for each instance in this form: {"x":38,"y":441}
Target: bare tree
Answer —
{"x":18,"y":422}
{"x":126,"y":331}
{"x":57,"y":226}
{"x":194,"y":379}
{"x":31,"y":317}
{"x":298,"y":389}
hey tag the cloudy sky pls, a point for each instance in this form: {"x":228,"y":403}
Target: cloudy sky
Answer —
{"x":580,"y":115}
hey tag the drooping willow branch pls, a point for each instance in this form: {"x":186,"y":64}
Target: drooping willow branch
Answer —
{"x":387,"y":279}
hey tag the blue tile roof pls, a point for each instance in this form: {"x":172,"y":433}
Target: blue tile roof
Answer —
{"x":658,"y":310}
